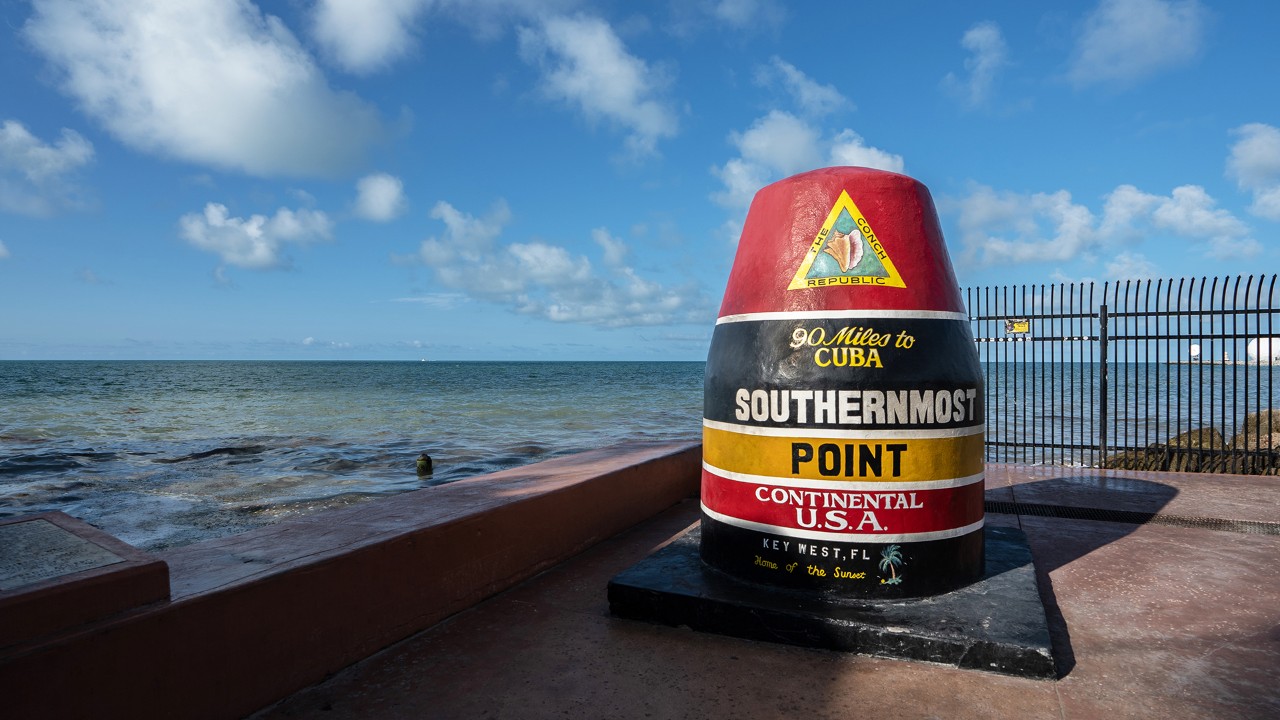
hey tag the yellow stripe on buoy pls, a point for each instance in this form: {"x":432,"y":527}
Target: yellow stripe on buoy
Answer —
{"x":864,"y":460}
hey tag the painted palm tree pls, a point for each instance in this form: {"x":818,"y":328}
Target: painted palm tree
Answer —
{"x":890,"y":559}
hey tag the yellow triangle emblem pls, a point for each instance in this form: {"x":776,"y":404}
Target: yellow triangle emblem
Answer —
{"x":846,"y":251}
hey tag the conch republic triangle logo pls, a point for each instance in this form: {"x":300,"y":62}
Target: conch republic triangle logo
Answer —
{"x":846,"y":251}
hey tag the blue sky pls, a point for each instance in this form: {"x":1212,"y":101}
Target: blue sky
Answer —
{"x":517,"y":180}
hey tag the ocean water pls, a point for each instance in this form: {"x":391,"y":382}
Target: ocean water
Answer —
{"x":168,"y":453}
{"x":162,"y":454}
{"x":1054,"y":412}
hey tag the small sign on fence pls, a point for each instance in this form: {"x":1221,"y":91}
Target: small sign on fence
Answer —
{"x":1017,"y":326}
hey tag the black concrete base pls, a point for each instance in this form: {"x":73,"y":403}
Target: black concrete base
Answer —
{"x":996,"y":624}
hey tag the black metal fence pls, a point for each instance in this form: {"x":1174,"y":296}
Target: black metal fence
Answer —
{"x":1150,"y":374}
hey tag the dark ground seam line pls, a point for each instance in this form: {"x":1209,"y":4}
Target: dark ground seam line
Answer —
{"x":1247,"y":527}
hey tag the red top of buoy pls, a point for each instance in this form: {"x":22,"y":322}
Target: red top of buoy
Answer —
{"x":842,"y":238}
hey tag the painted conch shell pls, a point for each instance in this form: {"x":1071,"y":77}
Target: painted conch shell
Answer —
{"x":846,"y":250}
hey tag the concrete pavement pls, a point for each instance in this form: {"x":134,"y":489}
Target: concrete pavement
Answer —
{"x":1166,"y":618}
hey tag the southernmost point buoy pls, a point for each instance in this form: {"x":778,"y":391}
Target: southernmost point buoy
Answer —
{"x":843,"y":420}
{"x":842,"y":468}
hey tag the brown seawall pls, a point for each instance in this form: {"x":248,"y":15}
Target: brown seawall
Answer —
{"x":257,"y":616}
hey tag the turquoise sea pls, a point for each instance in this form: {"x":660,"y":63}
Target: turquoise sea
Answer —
{"x":167,"y":453}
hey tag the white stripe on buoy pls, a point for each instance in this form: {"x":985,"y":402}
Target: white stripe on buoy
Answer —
{"x":843,"y":314}
{"x":826,"y":433}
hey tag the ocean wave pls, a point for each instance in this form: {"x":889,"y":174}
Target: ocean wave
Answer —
{"x":162,"y":454}
{"x":228,"y":451}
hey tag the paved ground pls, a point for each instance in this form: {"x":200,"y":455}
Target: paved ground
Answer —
{"x":1170,"y":618}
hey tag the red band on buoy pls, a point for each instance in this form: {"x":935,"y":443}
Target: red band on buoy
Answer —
{"x":872,"y":515}
{"x":786,"y":217}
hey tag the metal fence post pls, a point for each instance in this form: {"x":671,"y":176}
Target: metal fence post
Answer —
{"x":1102,"y":388}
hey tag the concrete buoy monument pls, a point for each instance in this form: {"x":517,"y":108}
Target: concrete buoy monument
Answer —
{"x":843,"y":431}
{"x":842,"y":491}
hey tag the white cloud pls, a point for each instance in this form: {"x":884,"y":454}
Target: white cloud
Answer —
{"x":1124,"y":211}
{"x":214,"y":82}
{"x":326,"y":344}
{"x":548,"y":264}
{"x":689,"y":18}
{"x":987,"y":55}
{"x":490,"y":18}
{"x":467,"y":239}
{"x":436,"y":301}
{"x":4,"y":251}
{"x":781,"y":144}
{"x":1058,"y":276}
{"x":586,"y":65}
{"x":1006,"y":227}
{"x":1266,"y":203}
{"x":1191,"y":209}
{"x":1255,"y":158}
{"x":548,"y":281}
{"x":811,"y":97}
{"x":742,"y":179}
{"x":257,"y":243}
{"x":1131,"y":266}
{"x":1124,"y":41}
{"x":848,"y":148}
{"x":615,"y":249}
{"x":1255,"y":165}
{"x":1191,"y":213}
{"x":748,"y":14}
{"x":1188,"y":212}
{"x":380,"y":197}
{"x":730,"y":231}
{"x":302,"y":196}
{"x":34,"y":175}
{"x":38,"y":161}
{"x":366,"y":35}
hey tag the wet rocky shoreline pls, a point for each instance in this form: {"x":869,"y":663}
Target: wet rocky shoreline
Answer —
{"x":1254,"y":449}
